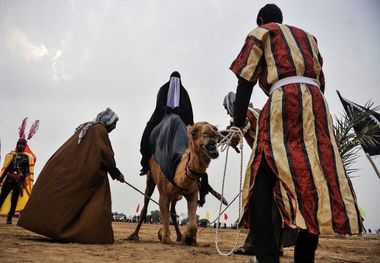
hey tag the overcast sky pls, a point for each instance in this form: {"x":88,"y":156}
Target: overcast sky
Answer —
{"x":62,"y":62}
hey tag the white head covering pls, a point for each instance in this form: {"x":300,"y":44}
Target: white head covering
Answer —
{"x":228,"y":103}
{"x":173,"y":92}
{"x":106,"y":117}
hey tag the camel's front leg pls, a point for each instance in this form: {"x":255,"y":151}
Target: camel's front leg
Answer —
{"x":164,"y":209}
{"x":190,"y":236}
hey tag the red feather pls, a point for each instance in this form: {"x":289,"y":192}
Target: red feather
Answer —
{"x":21,"y":129}
{"x":33,"y":129}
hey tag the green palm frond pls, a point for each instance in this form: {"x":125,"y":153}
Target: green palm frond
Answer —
{"x":349,"y":141}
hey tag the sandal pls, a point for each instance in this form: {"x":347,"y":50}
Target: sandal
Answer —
{"x":244,"y":251}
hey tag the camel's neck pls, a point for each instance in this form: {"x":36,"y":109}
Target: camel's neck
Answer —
{"x":197,"y":163}
{"x":189,"y":169}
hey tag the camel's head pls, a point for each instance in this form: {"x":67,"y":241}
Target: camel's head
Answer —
{"x":203,"y":139}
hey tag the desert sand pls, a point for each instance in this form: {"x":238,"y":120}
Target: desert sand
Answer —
{"x":19,"y":245}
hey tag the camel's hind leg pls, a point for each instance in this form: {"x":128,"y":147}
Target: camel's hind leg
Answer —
{"x":173,"y":215}
{"x":150,"y":186}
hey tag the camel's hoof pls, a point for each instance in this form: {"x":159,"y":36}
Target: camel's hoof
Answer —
{"x":164,"y":240}
{"x":190,"y":236}
{"x":133,"y":237}
{"x":189,"y":241}
{"x":179,"y":238}
{"x":159,"y":234}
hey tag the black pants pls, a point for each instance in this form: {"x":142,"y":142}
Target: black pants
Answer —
{"x":277,"y":230}
{"x":305,"y":247}
{"x":261,"y":211}
{"x":10,"y":185}
{"x":145,"y":149}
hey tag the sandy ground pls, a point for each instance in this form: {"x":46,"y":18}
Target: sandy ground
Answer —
{"x":19,"y":245}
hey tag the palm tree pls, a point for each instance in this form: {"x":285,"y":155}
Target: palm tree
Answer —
{"x":349,"y":141}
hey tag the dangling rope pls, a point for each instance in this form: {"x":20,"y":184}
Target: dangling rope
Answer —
{"x":225,"y":144}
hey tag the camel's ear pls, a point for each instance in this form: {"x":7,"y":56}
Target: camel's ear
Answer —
{"x":189,"y":128}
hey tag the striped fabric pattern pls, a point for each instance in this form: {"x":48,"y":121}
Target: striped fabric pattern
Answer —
{"x":295,"y":135}
{"x":286,"y":50}
{"x":249,"y":130}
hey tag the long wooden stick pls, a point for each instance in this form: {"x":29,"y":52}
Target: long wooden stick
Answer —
{"x":141,"y":193}
{"x":148,"y":197}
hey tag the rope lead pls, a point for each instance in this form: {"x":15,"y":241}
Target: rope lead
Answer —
{"x":225,"y":144}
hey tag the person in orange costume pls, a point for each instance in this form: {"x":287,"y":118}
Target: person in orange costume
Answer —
{"x":18,"y":165}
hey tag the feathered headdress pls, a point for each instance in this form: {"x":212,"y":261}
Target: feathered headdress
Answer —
{"x":32,"y":131}
{"x":21,"y":129}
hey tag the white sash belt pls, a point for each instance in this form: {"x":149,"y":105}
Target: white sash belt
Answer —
{"x":294,"y":79}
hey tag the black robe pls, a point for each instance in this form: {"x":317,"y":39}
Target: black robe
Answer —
{"x":184,"y":110}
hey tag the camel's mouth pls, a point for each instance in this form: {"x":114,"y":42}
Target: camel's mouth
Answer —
{"x":211,"y":150}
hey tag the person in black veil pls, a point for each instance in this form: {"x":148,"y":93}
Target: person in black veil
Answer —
{"x":172,"y":97}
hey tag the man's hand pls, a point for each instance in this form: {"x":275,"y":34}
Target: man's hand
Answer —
{"x":235,"y":139}
{"x":120,"y":178}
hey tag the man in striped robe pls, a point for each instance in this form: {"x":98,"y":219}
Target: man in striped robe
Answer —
{"x":283,"y":237}
{"x":295,"y":157}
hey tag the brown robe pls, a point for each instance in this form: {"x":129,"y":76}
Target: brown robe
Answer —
{"x":71,"y":200}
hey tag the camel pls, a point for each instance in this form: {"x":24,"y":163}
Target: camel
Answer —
{"x":203,"y":138}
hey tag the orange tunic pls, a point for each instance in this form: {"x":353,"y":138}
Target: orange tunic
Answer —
{"x":24,"y":196}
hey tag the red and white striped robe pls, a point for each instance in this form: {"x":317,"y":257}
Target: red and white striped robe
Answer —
{"x":295,"y":134}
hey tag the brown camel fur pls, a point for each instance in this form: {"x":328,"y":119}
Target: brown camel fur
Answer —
{"x":203,"y":138}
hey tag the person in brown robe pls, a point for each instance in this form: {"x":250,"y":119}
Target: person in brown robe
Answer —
{"x":71,"y":200}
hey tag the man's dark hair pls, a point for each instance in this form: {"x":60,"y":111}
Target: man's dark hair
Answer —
{"x":269,"y":13}
{"x":22,"y":141}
